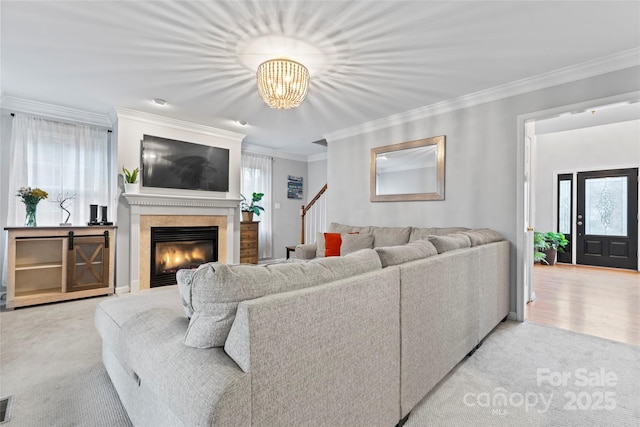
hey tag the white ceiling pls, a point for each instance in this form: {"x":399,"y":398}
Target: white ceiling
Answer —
{"x":368,"y":59}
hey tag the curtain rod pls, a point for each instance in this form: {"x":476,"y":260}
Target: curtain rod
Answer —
{"x":108,"y":130}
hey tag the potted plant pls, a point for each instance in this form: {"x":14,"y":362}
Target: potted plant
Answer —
{"x":250,"y":208}
{"x":547,"y":245}
{"x":131,"y":180}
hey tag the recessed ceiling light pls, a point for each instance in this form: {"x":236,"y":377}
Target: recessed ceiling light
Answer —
{"x":159,"y":101}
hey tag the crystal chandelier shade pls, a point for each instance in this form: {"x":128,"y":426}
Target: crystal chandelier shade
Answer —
{"x":282,"y":83}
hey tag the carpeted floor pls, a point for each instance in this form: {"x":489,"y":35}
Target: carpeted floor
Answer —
{"x":523,"y":375}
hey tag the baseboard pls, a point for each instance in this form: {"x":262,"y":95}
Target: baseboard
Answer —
{"x":123,"y":290}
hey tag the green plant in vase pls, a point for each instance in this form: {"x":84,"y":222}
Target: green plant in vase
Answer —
{"x":31,"y":197}
{"x":130,"y":179}
{"x":250,"y":208}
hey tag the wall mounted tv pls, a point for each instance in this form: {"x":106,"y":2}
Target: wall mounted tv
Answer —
{"x":167,"y":163}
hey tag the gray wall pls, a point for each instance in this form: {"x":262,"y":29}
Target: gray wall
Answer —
{"x":481,"y":162}
{"x":317,"y":173}
{"x":286,"y":220}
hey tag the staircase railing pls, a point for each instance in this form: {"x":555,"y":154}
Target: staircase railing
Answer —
{"x":316,"y":210}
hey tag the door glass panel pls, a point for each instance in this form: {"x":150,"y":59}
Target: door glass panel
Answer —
{"x":564,"y":207}
{"x":606,"y":206}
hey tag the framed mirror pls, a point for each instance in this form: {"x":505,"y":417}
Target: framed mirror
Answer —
{"x":408,"y":171}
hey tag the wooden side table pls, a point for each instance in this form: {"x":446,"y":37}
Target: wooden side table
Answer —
{"x":249,"y":242}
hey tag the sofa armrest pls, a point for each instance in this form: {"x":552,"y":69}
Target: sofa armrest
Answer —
{"x":324,"y":355}
{"x":306,"y":251}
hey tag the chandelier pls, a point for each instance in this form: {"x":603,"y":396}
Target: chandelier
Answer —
{"x":282,"y":83}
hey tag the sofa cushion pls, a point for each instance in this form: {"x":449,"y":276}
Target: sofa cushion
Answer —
{"x":390,"y":236}
{"x":217,"y":289}
{"x":355,"y":242}
{"x":482,"y":236}
{"x":394,"y":255}
{"x":450,"y":242}
{"x":424,"y":233}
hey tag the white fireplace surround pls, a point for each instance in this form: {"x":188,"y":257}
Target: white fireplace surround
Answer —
{"x":175,"y":205}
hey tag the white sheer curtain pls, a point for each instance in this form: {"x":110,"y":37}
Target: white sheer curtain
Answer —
{"x":257,"y":174}
{"x":61,"y":159}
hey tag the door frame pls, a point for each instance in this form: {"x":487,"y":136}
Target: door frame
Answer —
{"x":524,"y":199}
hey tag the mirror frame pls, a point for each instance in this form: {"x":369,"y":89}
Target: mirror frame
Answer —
{"x":438,"y":141}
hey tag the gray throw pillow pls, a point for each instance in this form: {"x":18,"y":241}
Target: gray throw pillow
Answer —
{"x":475,"y":237}
{"x":394,"y":255}
{"x":355,"y":242}
{"x":450,"y":242}
{"x":217,"y":289}
{"x":490,"y":235}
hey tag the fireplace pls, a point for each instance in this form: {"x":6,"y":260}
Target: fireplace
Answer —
{"x":176,"y":248}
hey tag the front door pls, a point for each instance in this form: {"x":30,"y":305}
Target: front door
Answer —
{"x":607,"y":218}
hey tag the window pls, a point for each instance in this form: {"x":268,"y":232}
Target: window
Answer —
{"x":65,"y":160}
{"x":256,"y":178}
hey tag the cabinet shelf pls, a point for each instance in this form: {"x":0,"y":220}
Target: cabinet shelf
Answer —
{"x":39,"y":292}
{"x":37,"y":266}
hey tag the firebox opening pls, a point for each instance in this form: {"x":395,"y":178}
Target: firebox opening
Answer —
{"x":175,"y":248}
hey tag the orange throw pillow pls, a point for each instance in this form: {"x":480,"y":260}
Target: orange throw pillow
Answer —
{"x":332,"y":243}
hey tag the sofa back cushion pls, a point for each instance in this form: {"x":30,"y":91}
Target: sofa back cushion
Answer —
{"x":394,"y":255}
{"x":450,"y":242}
{"x":424,"y":233}
{"x":216,"y":289}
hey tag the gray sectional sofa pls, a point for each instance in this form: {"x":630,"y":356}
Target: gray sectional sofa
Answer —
{"x":353,"y":340}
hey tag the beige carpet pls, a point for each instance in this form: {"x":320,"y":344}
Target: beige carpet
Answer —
{"x":50,"y":363}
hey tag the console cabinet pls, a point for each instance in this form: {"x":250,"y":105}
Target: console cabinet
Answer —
{"x":49,"y":264}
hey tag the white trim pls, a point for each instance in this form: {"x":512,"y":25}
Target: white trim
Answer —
{"x":139,"y":199}
{"x":155,"y":119}
{"x":54,"y":111}
{"x":608,"y":64}
{"x":271,"y":152}
{"x":317,"y":157}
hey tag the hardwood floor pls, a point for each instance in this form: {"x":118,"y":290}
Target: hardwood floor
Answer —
{"x":596,"y":301}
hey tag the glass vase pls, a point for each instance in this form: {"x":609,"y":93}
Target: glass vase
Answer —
{"x":30,"y":219}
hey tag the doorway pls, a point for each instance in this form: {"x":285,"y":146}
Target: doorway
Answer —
{"x":527,"y":134}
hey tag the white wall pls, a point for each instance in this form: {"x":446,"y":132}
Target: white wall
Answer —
{"x":317,"y":177}
{"x":481,"y":162}
{"x":129,"y":130}
{"x":612,"y":146}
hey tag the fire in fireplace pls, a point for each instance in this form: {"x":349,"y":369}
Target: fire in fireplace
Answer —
{"x":176,"y":248}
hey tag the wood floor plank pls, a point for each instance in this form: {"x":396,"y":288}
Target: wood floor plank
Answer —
{"x":596,"y":301}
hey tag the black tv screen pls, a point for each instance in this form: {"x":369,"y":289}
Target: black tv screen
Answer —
{"x":167,"y":163}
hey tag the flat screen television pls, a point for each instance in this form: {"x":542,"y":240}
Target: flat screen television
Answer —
{"x":168,"y":163}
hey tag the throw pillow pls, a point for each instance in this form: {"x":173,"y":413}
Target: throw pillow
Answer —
{"x":217,"y":289}
{"x":354,"y":242}
{"x":450,"y":242}
{"x":391,"y":236}
{"x":332,"y":243}
{"x":184,"y":279}
{"x":394,"y":255}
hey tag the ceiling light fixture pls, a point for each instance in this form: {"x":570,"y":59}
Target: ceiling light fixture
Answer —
{"x":159,"y":101}
{"x":282,"y":83}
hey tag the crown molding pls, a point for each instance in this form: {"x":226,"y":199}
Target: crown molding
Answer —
{"x":127,"y":113}
{"x":271,"y":152}
{"x":317,"y":157}
{"x":38,"y":108}
{"x":619,"y":61}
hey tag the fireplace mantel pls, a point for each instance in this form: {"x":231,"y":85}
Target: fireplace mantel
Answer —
{"x":160,"y":209}
{"x":140,"y":199}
